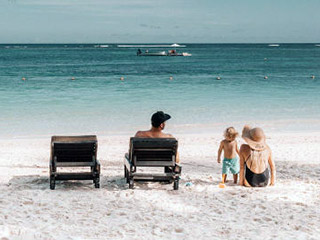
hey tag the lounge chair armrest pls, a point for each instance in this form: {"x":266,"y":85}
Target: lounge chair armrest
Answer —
{"x":127,"y":162}
{"x":52,"y":166}
{"x":97,"y":166}
{"x":127,"y":159}
{"x":97,"y":162}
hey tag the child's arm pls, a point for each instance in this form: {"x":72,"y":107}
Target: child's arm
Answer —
{"x":219,"y":151}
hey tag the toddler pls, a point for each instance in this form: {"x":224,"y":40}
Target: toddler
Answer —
{"x":230,"y":148}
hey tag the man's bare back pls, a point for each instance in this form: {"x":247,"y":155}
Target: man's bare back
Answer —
{"x":152,"y":134}
{"x":158,"y":124}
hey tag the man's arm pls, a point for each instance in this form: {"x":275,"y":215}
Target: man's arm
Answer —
{"x":168,"y":135}
{"x":220,"y":151}
{"x":177,"y":158}
{"x":242,"y":162}
{"x":272,"y":169}
{"x":139,"y":134}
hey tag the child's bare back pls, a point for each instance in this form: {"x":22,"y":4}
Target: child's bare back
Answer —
{"x":229,"y":148}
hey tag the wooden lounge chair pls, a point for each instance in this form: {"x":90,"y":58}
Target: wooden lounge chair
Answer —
{"x":74,"y":151}
{"x":152,"y":152}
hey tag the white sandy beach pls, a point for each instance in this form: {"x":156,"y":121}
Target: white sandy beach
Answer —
{"x":76,"y":210}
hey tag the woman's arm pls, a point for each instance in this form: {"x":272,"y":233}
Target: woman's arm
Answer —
{"x":242,"y":162}
{"x":272,"y":169}
{"x":237,"y":149}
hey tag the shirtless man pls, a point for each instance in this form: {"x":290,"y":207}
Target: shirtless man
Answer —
{"x":158,"y":120}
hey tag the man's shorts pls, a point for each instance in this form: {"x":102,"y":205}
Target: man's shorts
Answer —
{"x":230,"y":165}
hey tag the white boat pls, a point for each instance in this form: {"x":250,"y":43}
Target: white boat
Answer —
{"x":101,"y":46}
{"x":175,"y":53}
{"x":317,"y":45}
{"x":147,"y":53}
{"x":177,"y":45}
{"x":150,"y":46}
{"x":171,"y":53}
{"x":273,"y":45}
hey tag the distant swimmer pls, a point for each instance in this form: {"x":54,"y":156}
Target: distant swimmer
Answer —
{"x":218,"y":78}
{"x":265,"y":77}
{"x":171,"y":78}
{"x":23,"y":79}
{"x":73,"y":78}
{"x":122,"y":78}
{"x":313,"y":76}
{"x":265,"y":59}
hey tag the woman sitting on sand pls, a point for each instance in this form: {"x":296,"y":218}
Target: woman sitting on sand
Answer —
{"x":255,"y":156}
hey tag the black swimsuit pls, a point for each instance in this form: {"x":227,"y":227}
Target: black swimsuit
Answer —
{"x":256,"y":179}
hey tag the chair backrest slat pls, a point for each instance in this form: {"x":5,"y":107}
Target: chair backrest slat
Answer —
{"x":74,"y":148}
{"x":153,"y":151}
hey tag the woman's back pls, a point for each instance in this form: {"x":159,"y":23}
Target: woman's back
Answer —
{"x":255,"y":157}
{"x":257,"y":161}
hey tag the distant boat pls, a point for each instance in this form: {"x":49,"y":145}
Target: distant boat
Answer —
{"x":177,"y":45}
{"x":101,"y":46}
{"x":147,"y":53}
{"x":171,"y":53}
{"x":317,"y":45}
{"x":151,"y":46}
{"x":273,"y":45}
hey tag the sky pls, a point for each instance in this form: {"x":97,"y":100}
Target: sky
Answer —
{"x":159,"y":21}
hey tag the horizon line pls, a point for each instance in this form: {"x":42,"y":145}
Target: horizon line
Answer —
{"x":89,"y":43}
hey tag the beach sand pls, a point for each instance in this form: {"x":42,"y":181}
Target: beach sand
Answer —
{"x":76,"y":210}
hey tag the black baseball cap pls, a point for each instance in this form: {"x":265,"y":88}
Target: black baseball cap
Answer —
{"x":158,"y":118}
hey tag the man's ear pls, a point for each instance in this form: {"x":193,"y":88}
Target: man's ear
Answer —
{"x":162,"y":126}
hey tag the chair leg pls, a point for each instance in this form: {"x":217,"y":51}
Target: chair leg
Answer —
{"x":131,"y":184}
{"x":97,"y":182}
{"x":127,"y":178}
{"x":52,"y":183}
{"x":176,"y":184}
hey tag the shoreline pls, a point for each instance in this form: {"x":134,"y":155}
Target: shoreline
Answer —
{"x":208,"y":133}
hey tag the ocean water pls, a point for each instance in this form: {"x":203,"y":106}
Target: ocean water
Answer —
{"x":49,"y":102}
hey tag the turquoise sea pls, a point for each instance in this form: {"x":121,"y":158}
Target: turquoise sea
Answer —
{"x":49,"y":102}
